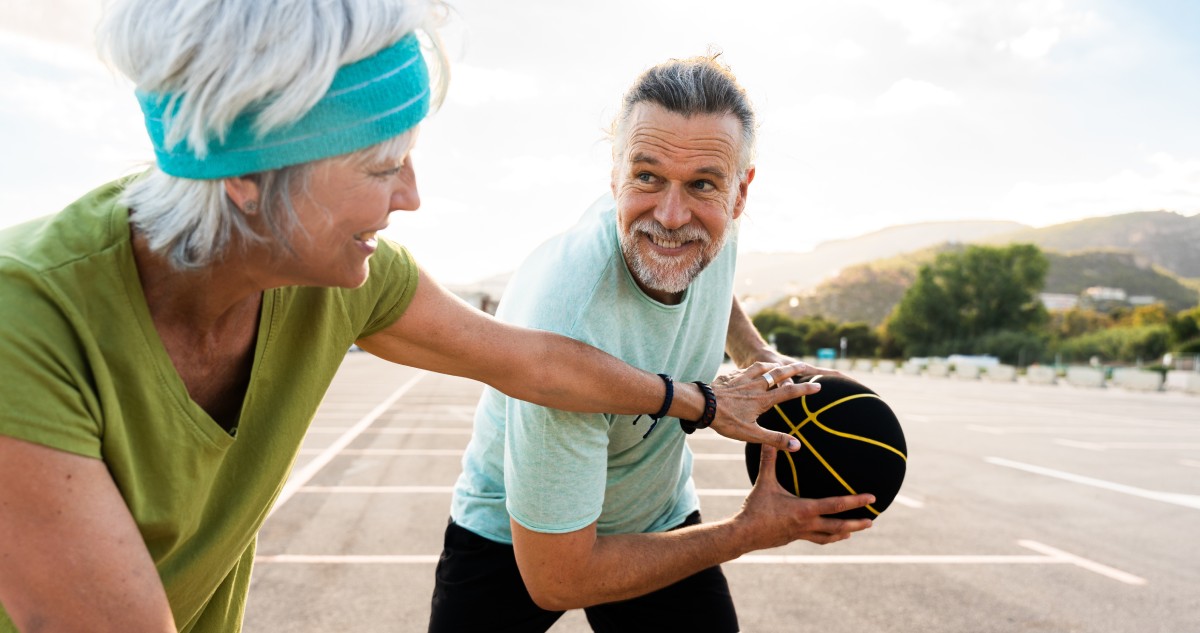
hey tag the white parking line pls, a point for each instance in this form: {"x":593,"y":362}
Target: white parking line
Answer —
{"x":392,"y":452}
{"x":378,"y":489}
{"x":703,"y":492}
{"x":1049,"y":556}
{"x":1090,"y":565}
{"x":305,"y":474}
{"x":1187,"y":501}
{"x":411,"y":430}
{"x":1082,"y":428}
{"x":1129,"y":446}
{"x":346,"y":559}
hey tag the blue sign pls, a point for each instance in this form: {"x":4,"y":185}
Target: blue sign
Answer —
{"x":826,"y":353}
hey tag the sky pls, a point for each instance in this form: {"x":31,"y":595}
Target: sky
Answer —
{"x":872,"y":113}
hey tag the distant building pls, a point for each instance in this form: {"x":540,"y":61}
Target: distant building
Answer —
{"x":1102,"y":293}
{"x":1057,"y":301}
{"x":1142,"y":300}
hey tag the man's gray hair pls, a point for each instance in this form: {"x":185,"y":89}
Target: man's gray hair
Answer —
{"x":692,"y":86}
{"x":228,"y":56}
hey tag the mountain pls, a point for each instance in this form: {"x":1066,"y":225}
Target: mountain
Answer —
{"x":762,"y":278}
{"x":868,"y":292}
{"x":1074,"y":272}
{"x":1163,"y":238}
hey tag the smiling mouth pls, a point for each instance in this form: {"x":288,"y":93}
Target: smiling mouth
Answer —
{"x":365,"y":236}
{"x":665,"y":243}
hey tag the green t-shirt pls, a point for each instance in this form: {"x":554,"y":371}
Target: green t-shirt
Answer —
{"x":82,"y":369}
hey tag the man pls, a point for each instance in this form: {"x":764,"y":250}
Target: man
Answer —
{"x":557,"y":510}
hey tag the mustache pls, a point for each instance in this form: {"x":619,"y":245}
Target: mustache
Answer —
{"x":686,"y":233}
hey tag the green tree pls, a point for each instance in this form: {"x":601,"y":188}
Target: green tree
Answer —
{"x":966,"y":295}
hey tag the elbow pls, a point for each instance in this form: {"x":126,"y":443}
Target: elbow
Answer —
{"x":557,"y":593}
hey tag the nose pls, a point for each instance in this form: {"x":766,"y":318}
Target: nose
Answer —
{"x":405,"y":196}
{"x":672,"y":211}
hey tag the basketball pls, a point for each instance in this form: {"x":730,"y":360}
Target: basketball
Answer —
{"x":852,"y":444}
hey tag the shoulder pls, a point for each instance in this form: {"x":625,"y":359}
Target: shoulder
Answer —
{"x":566,"y":274}
{"x":94,"y":223}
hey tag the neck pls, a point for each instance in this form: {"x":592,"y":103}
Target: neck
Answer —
{"x":661,"y":296}
{"x":202,"y":301}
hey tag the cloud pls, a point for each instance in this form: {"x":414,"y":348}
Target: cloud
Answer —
{"x":848,"y":50}
{"x":476,"y":86}
{"x":908,"y":95}
{"x":1034,"y":44}
{"x":1170,"y":183}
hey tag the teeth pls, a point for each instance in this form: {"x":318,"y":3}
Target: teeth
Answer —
{"x":365,"y":236}
{"x":667,"y":243}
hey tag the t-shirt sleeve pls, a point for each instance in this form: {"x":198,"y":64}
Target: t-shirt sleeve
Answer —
{"x":46,"y":383}
{"x":555,"y":467}
{"x":392,"y":283}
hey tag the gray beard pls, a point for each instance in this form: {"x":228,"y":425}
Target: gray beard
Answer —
{"x":661,"y":273}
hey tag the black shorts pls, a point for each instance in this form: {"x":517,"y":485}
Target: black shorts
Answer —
{"x":479,"y":588}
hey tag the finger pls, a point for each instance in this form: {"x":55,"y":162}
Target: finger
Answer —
{"x":794,"y":390}
{"x":834,"y":505}
{"x":781,"y":441}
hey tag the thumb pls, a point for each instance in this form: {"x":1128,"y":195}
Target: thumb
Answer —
{"x":766,"y":465}
{"x":782,"y":441}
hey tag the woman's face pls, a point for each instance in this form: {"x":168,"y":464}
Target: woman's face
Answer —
{"x":347,"y":202}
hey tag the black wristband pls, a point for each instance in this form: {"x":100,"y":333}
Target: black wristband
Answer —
{"x":710,"y":411}
{"x":666,"y":405}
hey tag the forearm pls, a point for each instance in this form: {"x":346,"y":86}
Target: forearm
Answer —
{"x":743,"y":342}
{"x":440,"y":333}
{"x":561,"y":373}
{"x":604,"y":573}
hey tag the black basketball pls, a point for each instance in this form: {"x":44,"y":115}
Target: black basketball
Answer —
{"x":852,"y":444}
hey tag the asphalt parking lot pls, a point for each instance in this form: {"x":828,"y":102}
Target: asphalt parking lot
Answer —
{"x":1025,"y":508}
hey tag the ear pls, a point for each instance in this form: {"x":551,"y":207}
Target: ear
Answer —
{"x":743,"y":187}
{"x":244,"y":192}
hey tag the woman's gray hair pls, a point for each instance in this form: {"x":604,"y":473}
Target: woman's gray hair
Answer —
{"x":229,"y":55}
{"x":692,"y":86}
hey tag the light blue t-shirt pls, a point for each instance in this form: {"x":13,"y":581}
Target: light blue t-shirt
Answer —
{"x":556,"y":471}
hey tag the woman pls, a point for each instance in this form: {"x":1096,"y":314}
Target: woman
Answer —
{"x":169,"y":337}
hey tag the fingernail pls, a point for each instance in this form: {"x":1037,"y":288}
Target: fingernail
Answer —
{"x":816,"y":386}
{"x":793,"y":444}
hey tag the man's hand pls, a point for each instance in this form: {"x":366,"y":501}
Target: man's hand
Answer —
{"x":772,"y":516}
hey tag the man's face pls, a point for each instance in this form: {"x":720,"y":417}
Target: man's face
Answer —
{"x":678,"y":189}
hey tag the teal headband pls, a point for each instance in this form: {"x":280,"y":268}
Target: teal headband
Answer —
{"x":370,"y":101}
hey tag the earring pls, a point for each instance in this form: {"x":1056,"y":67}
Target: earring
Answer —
{"x":251,"y":206}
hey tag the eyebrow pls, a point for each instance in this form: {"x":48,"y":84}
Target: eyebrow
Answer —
{"x":650,"y":160}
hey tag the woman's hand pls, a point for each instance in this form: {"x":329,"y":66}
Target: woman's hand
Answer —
{"x":744,"y":394}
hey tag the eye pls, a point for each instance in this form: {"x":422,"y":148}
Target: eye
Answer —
{"x":387,"y":173}
{"x":703,"y":185}
{"x":645,"y":176}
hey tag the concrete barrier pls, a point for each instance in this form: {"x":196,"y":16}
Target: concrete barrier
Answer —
{"x":1041,"y":375}
{"x":863,"y":365}
{"x":843,"y":364}
{"x":1139,"y":380}
{"x":1001,"y":373}
{"x":911,"y":369}
{"x":937,"y":370}
{"x":885,"y":367}
{"x":1186,"y":381}
{"x":966,"y":372}
{"x":1080,"y":376}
